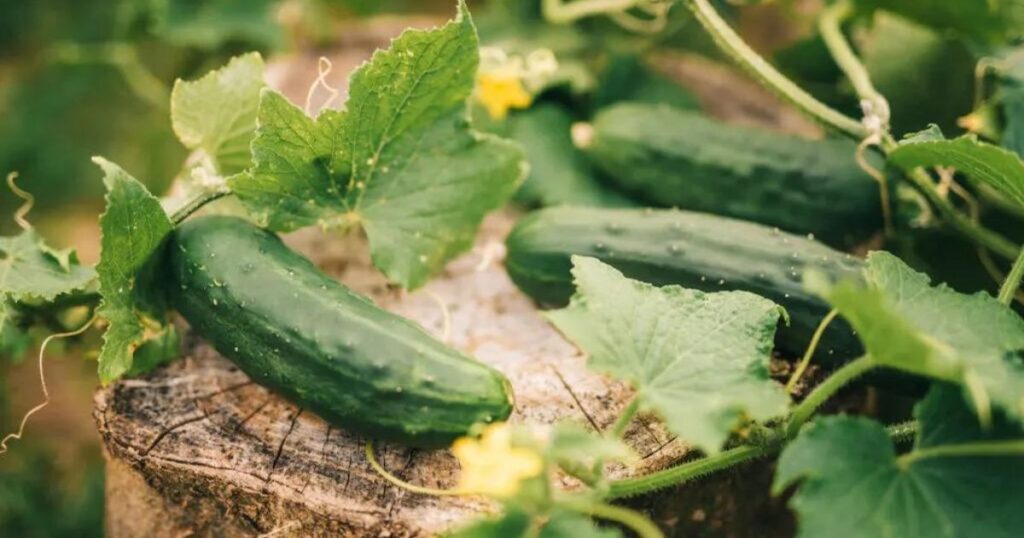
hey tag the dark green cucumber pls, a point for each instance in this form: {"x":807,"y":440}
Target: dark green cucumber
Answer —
{"x":693,"y":250}
{"x":321,"y":345}
{"x":675,"y":158}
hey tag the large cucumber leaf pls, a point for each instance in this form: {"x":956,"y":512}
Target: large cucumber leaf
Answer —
{"x":908,"y":324}
{"x":853,"y":483}
{"x":401,"y":160}
{"x":700,"y":360}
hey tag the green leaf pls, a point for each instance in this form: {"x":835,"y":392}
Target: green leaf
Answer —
{"x":134,"y":227}
{"x":401,"y":160}
{"x":559,"y":172}
{"x":986,"y":21}
{"x":573,"y":525}
{"x":516,"y":523}
{"x":31,"y":270}
{"x":699,"y":359}
{"x":992,"y":165}
{"x":853,"y":484}
{"x":907,"y":324}
{"x":217,"y":113}
{"x":571,"y":443}
{"x":14,"y":342}
{"x":511,"y":524}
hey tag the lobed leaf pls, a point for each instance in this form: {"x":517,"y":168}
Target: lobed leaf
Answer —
{"x":400,"y":160}
{"x":134,"y":227}
{"x":699,"y":359}
{"x":217,"y":113}
{"x":31,"y":270}
{"x":985,"y":163}
{"x":908,"y":324}
{"x":852,"y":483}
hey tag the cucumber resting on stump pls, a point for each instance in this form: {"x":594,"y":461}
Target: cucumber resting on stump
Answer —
{"x":303,"y":334}
{"x":693,"y":250}
{"x":676,"y":158}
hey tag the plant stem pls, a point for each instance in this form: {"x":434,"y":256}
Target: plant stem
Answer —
{"x":1009,"y":289}
{"x":635,"y":521}
{"x":631,"y":487}
{"x":740,"y":52}
{"x":839,"y":379}
{"x":625,"y":418}
{"x":194,"y":204}
{"x":806,"y":360}
{"x":981,"y":448}
{"x":733,"y":45}
{"x":958,"y":220}
{"x":832,"y":34}
{"x":567,"y":11}
{"x":903,"y":432}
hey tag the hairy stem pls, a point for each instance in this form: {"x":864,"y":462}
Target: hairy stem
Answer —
{"x":901,"y":433}
{"x":194,"y":204}
{"x":842,"y":377}
{"x":1009,"y":288}
{"x":981,"y":448}
{"x":733,"y":45}
{"x":631,"y":487}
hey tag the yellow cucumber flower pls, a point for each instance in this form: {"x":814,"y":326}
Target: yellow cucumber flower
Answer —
{"x":500,"y":93}
{"x":492,"y":466}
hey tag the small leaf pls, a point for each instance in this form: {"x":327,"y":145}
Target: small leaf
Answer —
{"x":699,"y":359}
{"x":575,"y":444}
{"x":401,"y":160}
{"x":516,"y":523}
{"x":511,"y":524}
{"x":992,"y":165}
{"x":134,"y":228}
{"x":29,"y":269}
{"x":852,"y":483}
{"x":217,"y":113}
{"x":907,"y":324}
{"x":559,"y":172}
{"x":984,"y":21}
{"x":14,"y":342}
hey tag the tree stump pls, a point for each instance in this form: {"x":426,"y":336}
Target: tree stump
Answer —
{"x":197,"y":449}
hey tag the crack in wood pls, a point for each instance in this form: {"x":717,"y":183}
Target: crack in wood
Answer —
{"x":160,"y":436}
{"x":280,"y":447}
{"x":579,"y":404}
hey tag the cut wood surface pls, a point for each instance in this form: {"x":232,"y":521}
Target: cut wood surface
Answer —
{"x":218,"y":454}
{"x":198,"y":449}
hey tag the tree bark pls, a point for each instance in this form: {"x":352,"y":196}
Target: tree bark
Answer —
{"x":197,"y":448}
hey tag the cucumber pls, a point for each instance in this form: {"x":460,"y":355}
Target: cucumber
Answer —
{"x":319,"y":344}
{"x":675,"y":158}
{"x":693,"y":250}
